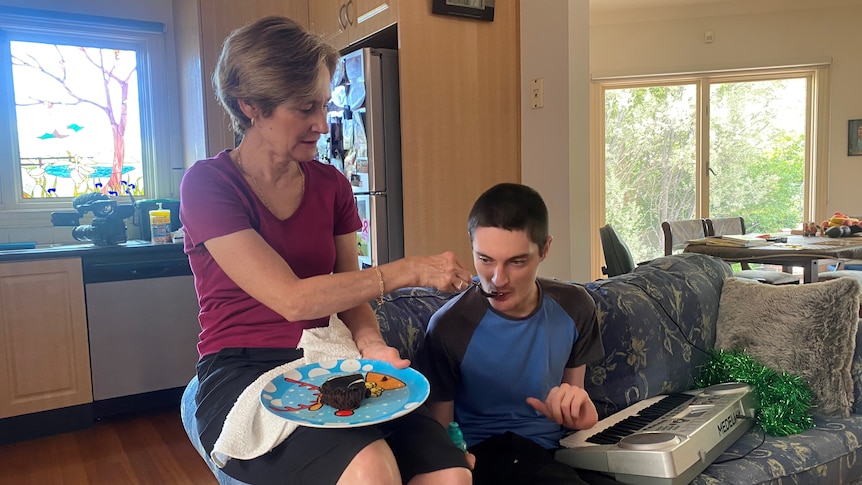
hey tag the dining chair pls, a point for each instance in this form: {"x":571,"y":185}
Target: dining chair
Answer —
{"x":726,"y":225}
{"x":678,"y":233}
{"x":736,"y":225}
{"x":618,"y":257}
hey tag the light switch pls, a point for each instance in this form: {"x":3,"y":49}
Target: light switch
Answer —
{"x":537,"y":92}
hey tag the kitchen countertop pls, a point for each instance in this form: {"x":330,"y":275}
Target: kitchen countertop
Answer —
{"x":135,"y":249}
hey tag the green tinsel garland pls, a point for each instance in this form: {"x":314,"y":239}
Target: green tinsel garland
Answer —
{"x":785,"y":400}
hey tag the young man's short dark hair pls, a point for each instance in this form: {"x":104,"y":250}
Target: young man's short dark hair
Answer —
{"x":513,"y":207}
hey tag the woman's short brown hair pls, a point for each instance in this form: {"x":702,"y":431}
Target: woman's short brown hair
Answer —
{"x":266,"y":63}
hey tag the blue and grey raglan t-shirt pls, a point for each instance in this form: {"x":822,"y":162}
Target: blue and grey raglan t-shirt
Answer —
{"x":489,"y":363}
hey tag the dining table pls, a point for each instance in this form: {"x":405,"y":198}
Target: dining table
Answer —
{"x":809,"y":252}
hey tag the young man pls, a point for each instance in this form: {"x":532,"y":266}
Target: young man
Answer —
{"x":509,"y":367}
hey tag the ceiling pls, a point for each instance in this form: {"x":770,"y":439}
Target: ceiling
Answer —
{"x":629,"y":4}
{"x":611,"y":5}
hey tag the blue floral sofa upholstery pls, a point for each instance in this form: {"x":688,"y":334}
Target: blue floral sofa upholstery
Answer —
{"x":643,"y":316}
{"x":649,"y":320}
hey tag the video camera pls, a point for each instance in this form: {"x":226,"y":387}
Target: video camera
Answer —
{"x":108,"y":227}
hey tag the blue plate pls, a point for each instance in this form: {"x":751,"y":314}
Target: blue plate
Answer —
{"x":394,"y":392}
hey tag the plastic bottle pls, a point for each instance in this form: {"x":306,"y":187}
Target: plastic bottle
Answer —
{"x":160,"y":225}
{"x":456,"y":436}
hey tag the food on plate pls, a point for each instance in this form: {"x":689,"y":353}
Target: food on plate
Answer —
{"x":344,"y":392}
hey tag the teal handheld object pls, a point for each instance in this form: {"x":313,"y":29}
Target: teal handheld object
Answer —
{"x":457,"y":436}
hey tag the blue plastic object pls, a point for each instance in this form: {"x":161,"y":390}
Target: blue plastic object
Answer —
{"x":17,"y":245}
{"x":457,"y":436}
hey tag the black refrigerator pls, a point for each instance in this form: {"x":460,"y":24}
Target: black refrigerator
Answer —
{"x":364,"y":143}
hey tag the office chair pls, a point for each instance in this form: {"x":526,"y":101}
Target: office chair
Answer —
{"x":618,"y":257}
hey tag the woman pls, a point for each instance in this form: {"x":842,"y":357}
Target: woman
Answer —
{"x":270,"y":235}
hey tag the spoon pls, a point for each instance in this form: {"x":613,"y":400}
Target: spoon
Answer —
{"x":486,"y":294}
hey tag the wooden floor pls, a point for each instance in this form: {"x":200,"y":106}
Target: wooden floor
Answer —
{"x":148,"y":449}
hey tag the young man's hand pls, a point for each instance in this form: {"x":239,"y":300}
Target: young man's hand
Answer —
{"x":568,"y":406}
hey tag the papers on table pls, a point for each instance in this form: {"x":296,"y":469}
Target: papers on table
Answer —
{"x":734,"y":240}
{"x":841,"y":241}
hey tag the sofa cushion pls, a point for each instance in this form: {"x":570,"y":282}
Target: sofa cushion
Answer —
{"x":807,"y":330}
{"x":824,"y":455}
{"x":856,"y":372}
{"x":657,"y":324}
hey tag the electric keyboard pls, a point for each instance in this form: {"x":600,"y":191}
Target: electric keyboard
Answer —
{"x":664,"y":440}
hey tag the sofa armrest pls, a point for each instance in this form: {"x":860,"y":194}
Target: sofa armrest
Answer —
{"x":404,"y":317}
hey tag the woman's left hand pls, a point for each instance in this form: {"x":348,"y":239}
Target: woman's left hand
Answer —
{"x":381,"y":351}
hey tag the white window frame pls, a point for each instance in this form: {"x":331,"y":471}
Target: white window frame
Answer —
{"x":157,"y":119}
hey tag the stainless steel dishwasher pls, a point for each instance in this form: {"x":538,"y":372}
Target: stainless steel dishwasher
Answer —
{"x":142,"y":318}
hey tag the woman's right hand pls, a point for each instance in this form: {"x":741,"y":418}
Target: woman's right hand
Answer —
{"x":442,"y":271}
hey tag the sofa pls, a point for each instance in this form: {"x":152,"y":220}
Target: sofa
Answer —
{"x":653,"y":321}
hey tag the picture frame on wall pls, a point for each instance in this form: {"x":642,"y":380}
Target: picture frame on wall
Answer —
{"x":474,"y":9}
{"x":854,"y":138}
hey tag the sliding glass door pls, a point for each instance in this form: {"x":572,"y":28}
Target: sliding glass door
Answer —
{"x":650,"y":153}
{"x":757,"y":152}
{"x":704,"y":146}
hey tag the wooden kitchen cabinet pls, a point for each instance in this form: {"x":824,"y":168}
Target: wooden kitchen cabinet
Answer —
{"x":326,"y":19}
{"x":460,"y":119}
{"x":342,"y":23}
{"x":214,"y":20}
{"x":43,"y":337}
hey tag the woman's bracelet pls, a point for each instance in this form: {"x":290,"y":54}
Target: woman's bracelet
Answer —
{"x":380,"y":282}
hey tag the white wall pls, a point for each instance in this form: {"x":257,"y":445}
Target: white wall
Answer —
{"x":555,"y":139}
{"x":557,"y":34}
{"x":149,"y":10}
{"x":750,"y":33}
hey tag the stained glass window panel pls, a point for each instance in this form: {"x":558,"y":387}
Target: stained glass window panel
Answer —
{"x":78,"y":119}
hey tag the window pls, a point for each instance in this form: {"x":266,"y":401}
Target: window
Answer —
{"x":77,"y":119}
{"x":80,"y":95}
{"x":714,"y":145}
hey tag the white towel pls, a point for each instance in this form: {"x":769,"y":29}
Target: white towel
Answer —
{"x":250,"y":430}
